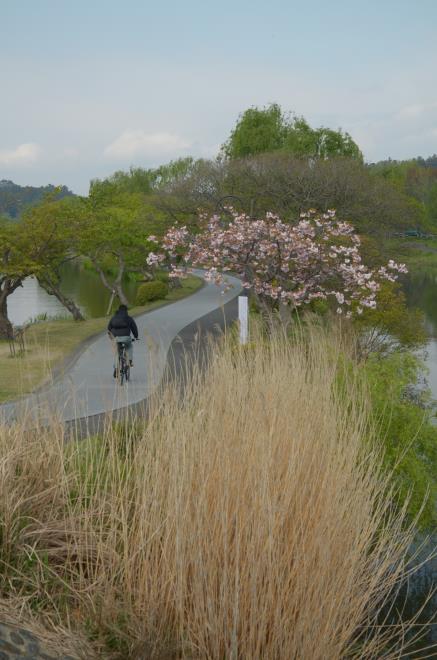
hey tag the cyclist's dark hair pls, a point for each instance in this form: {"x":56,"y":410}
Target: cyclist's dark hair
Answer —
{"x":122,"y":308}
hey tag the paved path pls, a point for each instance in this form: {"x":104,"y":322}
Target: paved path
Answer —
{"x":88,"y":388}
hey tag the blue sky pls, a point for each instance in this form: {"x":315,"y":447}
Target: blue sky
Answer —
{"x":89,"y":87}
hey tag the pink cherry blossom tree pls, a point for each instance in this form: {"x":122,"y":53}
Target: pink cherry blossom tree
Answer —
{"x":283,"y":264}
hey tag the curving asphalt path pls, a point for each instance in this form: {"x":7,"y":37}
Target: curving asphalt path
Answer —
{"x":88,"y":389}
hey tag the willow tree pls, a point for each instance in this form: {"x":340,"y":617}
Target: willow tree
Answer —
{"x":263,"y":130}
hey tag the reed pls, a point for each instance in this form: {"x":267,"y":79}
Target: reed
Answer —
{"x":248,"y":517}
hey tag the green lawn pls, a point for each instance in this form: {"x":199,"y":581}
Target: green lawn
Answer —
{"x":49,"y":343}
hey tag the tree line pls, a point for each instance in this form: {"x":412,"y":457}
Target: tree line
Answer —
{"x":272,"y":162}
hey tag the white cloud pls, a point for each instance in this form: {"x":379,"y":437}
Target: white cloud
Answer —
{"x":138,"y":143}
{"x":24,"y":154}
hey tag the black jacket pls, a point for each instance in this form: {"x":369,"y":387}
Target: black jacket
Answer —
{"x":121,"y":325}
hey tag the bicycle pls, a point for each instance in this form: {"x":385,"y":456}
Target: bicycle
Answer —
{"x":122,"y":370}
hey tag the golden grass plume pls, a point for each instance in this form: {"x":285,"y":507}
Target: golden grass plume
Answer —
{"x":249,"y":519}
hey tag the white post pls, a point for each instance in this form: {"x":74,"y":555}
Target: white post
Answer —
{"x":243,"y":317}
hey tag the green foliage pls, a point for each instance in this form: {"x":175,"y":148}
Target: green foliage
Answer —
{"x":257,"y":131}
{"x":110,"y":229}
{"x":136,"y":180}
{"x":149,"y":291}
{"x":162,"y":276}
{"x":36,"y":244}
{"x":13,"y":262}
{"x":391,"y":323}
{"x":319,"y":307}
{"x":140,"y":180}
{"x":415,"y":180}
{"x":269,"y":129}
{"x":173,"y":171}
{"x":404,"y":426}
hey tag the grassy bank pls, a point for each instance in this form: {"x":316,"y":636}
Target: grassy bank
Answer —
{"x":249,"y":520}
{"x":49,"y":343}
{"x":417,"y":254}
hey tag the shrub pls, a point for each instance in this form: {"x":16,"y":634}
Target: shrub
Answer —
{"x":401,"y":411}
{"x":162,"y":276}
{"x":149,"y":291}
{"x":391,"y":323}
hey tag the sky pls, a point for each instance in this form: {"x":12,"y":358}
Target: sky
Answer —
{"x":88,"y":87}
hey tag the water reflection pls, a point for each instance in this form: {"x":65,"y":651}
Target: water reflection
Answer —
{"x":80,"y":283}
{"x":416,"y":597}
{"x":30,"y":300}
{"x":421,"y":291}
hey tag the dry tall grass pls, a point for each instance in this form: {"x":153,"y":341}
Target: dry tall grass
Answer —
{"x":250,"y":520}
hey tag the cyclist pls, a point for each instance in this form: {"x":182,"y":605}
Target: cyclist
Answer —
{"x":120,"y":328}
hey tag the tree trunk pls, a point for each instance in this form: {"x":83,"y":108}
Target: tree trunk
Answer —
{"x":117,"y":282}
{"x":116,"y":286}
{"x":49,"y":285}
{"x":120,"y":293}
{"x":7,"y":287}
{"x":6,"y":329}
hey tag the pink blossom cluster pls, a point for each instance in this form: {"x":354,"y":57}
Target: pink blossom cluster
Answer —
{"x":154,"y":259}
{"x":316,"y":258}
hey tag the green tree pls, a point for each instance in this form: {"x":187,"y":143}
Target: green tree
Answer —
{"x":146,"y":182}
{"x":35,"y":245}
{"x":257,"y":131}
{"x":14,"y":268}
{"x":269,"y":129}
{"x":175,"y":170}
{"x":288,"y":185}
{"x":415,"y":180}
{"x":49,"y":226}
{"x":157,"y":190}
{"x":391,"y":324}
{"x":112,"y":232}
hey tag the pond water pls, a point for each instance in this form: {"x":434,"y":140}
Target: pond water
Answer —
{"x":78,"y":282}
{"x":421,"y":292}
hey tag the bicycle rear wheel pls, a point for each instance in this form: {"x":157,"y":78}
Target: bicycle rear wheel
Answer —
{"x":121,"y":364}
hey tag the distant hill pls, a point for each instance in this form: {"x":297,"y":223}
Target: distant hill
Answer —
{"x":14,"y":198}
